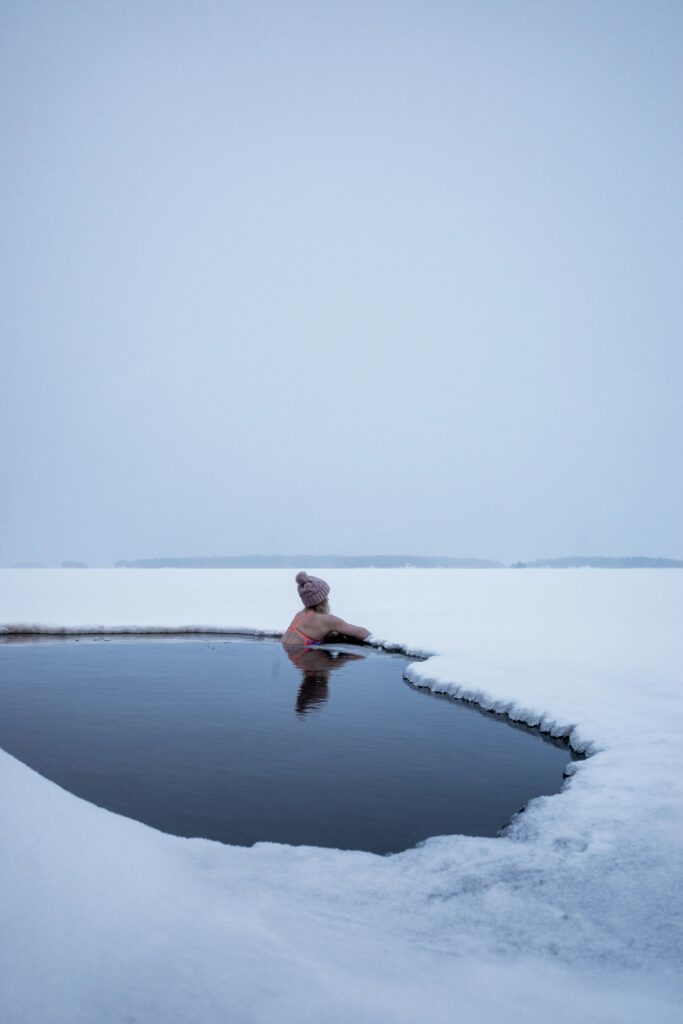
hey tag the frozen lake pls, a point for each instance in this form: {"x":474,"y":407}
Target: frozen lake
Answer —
{"x":231,"y":739}
{"x":578,"y":896}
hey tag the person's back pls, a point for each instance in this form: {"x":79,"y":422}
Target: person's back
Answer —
{"x":314,"y":622}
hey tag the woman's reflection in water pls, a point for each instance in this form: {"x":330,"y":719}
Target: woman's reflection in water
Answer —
{"x":315,"y":666}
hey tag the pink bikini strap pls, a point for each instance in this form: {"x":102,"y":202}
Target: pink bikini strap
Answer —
{"x":294,"y":629}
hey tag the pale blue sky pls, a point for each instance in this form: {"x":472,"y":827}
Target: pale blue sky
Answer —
{"x":350,"y":277}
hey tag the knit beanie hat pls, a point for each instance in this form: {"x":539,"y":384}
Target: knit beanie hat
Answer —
{"x":312,"y":590}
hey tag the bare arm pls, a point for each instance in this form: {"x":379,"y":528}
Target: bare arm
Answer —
{"x":336,"y":625}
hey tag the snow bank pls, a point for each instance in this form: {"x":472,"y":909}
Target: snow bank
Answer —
{"x":574,"y":913}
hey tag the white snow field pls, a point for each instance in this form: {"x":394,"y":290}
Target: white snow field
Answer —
{"x":573,"y":914}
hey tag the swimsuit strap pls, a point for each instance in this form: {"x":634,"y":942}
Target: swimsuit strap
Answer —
{"x":293,"y":628}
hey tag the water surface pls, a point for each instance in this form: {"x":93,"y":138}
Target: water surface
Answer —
{"x":231,"y":739}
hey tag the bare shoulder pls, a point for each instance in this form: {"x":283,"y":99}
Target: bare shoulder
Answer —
{"x":332,"y":621}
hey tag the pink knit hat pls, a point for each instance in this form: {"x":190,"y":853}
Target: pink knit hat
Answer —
{"x":312,"y":590}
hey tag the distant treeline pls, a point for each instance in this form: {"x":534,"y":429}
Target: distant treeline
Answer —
{"x":601,"y":562}
{"x":394,"y":562}
{"x":311,"y":562}
{"x":375,"y":562}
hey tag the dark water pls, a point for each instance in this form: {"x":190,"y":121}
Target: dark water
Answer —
{"x":231,"y":740}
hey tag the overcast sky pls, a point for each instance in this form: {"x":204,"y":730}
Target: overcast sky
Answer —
{"x":340,"y":277}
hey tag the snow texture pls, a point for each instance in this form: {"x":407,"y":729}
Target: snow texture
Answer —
{"x":573,"y":914}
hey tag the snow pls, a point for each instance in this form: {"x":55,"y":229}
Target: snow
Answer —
{"x":573,"y":913}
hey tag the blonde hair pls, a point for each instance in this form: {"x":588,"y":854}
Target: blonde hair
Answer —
{"x":322,"y":606}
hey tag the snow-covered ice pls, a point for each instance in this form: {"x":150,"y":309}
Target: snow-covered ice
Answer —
{"x":574,"y":914}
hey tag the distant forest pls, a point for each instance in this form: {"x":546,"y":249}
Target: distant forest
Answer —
{"x":311,"y":562}
{"x":373,"y":562}
{"x":600,"y":562}
{"x":394,"y":562}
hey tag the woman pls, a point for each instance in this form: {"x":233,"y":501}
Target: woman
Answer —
{"x":310,"y":626}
